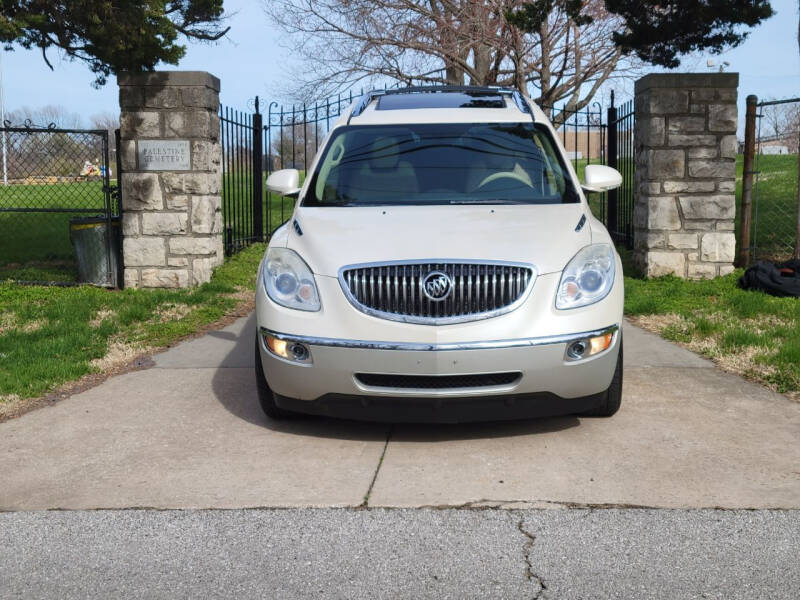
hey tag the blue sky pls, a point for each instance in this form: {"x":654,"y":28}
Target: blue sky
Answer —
{"x":250,"y":62}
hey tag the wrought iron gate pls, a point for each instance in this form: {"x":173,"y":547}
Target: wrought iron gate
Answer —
{"x":55,"y":183}
{"x":253,"y":145}
{"x":621,"y":156}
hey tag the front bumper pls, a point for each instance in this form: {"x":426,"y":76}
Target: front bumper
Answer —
{"x":549,"y":382}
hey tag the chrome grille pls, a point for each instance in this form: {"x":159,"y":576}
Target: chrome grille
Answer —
{"x":395,"y":290}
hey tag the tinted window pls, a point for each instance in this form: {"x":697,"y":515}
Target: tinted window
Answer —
{"x":497,"y":163}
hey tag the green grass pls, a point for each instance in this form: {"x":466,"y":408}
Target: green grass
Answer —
{"x":751,"y":333}
{"x":37,"y":245}
{"x":51,"y":335}
{"x":774,"y":205}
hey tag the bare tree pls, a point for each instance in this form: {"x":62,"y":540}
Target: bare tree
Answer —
{"x":47,"y":153}
{"x":294,"y":145}
{"x":44,"y":116}
{"x":106,"y":120}
{"x":452,"y":42}
{"x":781,"y":123}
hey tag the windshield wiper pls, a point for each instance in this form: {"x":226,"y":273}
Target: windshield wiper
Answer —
{"x":488,"y":201}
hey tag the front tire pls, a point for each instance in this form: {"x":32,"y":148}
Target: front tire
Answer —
{"x":612,"y":397}
{"x":266,"y":397}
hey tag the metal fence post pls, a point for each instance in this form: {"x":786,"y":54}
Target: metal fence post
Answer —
{"x":747,"y":181}
{"x":112,"y":275}
{"x":258,"y":176}
{"x":797,"y":233}
{"x":611,"y":119}
{"x":118,"y":209}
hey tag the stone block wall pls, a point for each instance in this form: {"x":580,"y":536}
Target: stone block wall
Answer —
{"x":685,"y":136}
{"x":171,"y":208}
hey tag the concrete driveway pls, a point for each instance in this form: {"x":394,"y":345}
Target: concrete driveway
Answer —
{"x":188,"y":433}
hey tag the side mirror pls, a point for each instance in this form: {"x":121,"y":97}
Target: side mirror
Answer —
{"x":285,"y":182}
{"x":600,"y":178}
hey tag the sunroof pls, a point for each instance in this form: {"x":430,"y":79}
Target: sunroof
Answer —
{"x":440,"y":100}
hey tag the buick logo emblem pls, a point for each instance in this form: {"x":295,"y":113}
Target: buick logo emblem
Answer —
{"x":437,"y":286}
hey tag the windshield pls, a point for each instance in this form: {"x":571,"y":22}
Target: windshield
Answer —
{"x":442,"y":163}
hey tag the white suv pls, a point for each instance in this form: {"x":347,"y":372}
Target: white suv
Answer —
{"x":441,"y":264}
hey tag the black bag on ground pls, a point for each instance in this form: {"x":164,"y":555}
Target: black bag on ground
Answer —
{"x":778,"y":279}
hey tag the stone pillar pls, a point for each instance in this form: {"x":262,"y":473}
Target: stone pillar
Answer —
{"x":686,"y":146}
{"x":171,"y":178}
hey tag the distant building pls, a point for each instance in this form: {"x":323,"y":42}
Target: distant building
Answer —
{"x":774,"y":149}
{"x":775,"y":144}
{"x":585,"y":143}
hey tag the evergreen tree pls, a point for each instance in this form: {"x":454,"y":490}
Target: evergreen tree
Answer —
{"x":660,"y":32}
{"x":110,"y":36}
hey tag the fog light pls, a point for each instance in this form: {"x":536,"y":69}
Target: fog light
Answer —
{"x":298,"y":351}
{"x":293,"y":351}
{"x":577,"y":349}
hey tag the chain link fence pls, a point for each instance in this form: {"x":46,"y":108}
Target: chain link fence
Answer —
{"x":57,"y":210}
{"x":770,"y":181}
{"x":776,"y":195}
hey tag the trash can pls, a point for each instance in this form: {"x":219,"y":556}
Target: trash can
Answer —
{"x":90,"y":239}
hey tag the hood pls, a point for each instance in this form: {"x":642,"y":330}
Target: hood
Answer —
{"x":543,"y":235}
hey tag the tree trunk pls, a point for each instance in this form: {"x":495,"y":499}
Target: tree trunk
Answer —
{"x":454,"y":75}
{"x":545,"y":73}
{"x":482,"y":65}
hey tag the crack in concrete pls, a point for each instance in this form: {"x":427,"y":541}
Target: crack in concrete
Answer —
{"x":365,"y":502}
{"x":526,"y":553}
{"x":519,"y":504}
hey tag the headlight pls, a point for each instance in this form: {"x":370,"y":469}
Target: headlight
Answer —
{"x":289,"y":281}
{"x":587,"y":278}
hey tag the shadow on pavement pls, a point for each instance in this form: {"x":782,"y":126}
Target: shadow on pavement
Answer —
{"x":229,"y":335}
{"x":245,"y":406}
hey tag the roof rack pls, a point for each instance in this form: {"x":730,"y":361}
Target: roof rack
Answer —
{"x":487,"y":89}
{"x":519,"y":99}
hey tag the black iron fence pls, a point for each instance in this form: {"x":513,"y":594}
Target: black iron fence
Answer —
{"x":594,"y":136}
{"x":618,"y":212}
{"x":293,"y":134}
{"x":57,"y":207}
{"x":584,"y":137}
{"x":239,"y":172}
{"x":582,"y":133}
{"x":256,"y":143}
{"x":769,"y":217}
